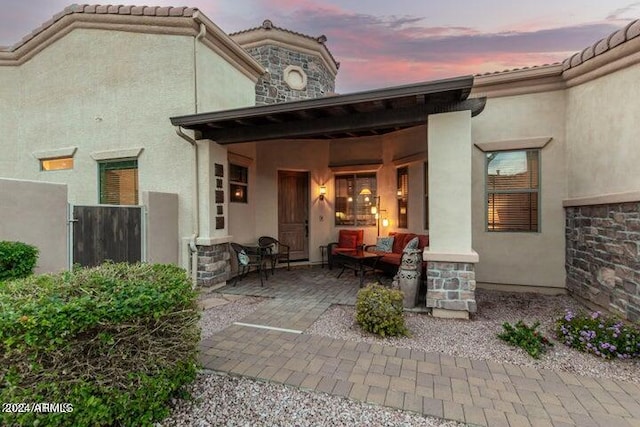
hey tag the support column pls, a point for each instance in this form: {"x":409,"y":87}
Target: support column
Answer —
{"x":214,"y":259}
{"x":450,"y":257}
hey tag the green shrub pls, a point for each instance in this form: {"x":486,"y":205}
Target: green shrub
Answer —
{"x":17,"y":260}
{"x":379,"y":310}
{"x":604,"y":336}
{"x":116,"y":342}
{"x":525,"y":337}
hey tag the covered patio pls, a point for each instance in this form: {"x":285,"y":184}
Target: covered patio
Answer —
{"x":424,"y":128}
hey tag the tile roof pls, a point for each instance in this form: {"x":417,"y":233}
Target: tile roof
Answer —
{"x":615,"y":39}
{"x":105,"y":10}
{"x":509,"y":70}
{"x":267,"y":24}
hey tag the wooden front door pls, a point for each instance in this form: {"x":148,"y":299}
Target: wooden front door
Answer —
{"x":293,"y":212}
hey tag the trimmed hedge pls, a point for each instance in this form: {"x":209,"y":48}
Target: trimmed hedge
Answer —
{"x":116,"y":342}
{"x":17,"y":260}
{"x":379,"y":310}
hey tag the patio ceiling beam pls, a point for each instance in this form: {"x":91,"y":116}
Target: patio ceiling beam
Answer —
{"x":323,"y":127}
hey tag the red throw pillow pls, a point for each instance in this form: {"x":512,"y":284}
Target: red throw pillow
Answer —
{"x":347,"y":241}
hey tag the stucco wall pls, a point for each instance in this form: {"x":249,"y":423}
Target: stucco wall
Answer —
{"x":534,"y":259}
{"x":162,"y":227}
{"x":242,"y":216}
{"x":102,"y":90}
{"x":36,"y":213}
{"x":220,"y":85}
{"x":602,"y":135}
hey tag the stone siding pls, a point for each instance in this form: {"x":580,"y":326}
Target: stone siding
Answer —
{"x":602,"y":262}
{"x":451,"y":286}
{"x":214,"y":266}
{"x":272,"y":88}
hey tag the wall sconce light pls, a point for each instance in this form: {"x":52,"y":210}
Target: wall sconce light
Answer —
{"x":385,"y":222}
{"x":323,"y":191}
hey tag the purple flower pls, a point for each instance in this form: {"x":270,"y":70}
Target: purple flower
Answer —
{"x":569,"y":316}
{"x":595,"y":314}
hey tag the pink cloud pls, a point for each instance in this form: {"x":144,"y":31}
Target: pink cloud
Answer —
{"x":386,"y":71}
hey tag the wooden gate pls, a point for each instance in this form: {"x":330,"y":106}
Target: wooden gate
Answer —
{"x":101,"y":233}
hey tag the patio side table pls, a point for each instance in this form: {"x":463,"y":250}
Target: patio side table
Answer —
{"x":323,"y":254}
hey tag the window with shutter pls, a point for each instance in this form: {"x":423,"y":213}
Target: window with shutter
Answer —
{"x":513,"y":190}
{"x":119,"y":182}
{"x":403,"y":193}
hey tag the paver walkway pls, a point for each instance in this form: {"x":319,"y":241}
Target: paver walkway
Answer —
{"x":458,"y":388}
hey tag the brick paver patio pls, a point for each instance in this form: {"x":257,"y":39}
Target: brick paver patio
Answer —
{"x":476,"y":392}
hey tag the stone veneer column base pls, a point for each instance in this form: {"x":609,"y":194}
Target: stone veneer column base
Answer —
{"x":451,"y":288}
{"x":214,"y":264}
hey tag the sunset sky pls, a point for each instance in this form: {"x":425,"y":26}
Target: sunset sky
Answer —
{"x":381,"y":42}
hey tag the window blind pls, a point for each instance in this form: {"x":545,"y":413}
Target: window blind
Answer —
{"x":119,"y":183}
{"x":513,"y":191}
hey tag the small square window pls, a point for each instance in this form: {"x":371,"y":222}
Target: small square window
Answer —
{"x":60,"y":163}
{"x":119,"y":182}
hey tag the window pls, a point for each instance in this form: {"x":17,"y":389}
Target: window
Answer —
{"x":60,"y":163}
{"x":238,"y":183}
{"x":119,"y":182}
{"x":355,"y":195}
{"x":402,"y":193}
{"x":513,"y":190}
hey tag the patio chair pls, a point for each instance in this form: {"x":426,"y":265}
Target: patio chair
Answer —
{"x":247,"y":257}
{"x":278,"y":252}
{"x":348,"y":241}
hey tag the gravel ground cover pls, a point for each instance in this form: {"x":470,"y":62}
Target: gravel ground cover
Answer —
{"x":477,"y":339}
{"x":219,"y":400}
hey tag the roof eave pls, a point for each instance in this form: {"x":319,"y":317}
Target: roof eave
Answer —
{"x":463,"y":84}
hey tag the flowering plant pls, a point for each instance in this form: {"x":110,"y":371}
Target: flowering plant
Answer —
{"x":526,"y":337}
{"x":604,"y":336}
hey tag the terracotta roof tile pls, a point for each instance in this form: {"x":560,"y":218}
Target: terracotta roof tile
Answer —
{"x":267,"y":24}
{"x":490,"y":73}
{"x":588,"y":53}
{"x":618,"y":37}
{"x":162,"y":11}
{"x":603,"y":45}
{"x":633,"y":29}
{"x":105,"y":9}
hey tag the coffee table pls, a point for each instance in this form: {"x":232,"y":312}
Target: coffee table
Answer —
{"x":359,"y":261}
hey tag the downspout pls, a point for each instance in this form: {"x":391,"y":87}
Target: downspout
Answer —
{"x":193,"y":248}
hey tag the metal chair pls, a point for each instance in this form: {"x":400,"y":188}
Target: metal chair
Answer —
{"x":250,"y":256}
{"x":277,"y":252}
